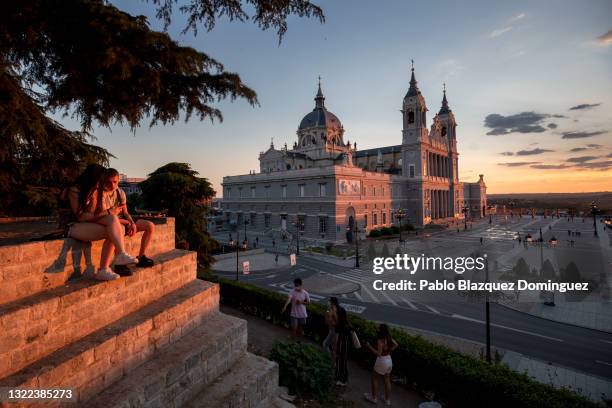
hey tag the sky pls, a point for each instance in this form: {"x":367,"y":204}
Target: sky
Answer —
{"x":528,"y":81}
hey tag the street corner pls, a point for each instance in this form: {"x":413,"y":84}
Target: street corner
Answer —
{"x":327,"y":284}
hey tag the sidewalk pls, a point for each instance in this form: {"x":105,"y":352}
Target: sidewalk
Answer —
{"x":263,"y":334}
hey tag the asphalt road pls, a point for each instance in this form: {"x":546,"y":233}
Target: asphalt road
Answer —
{"x":581,"y":349}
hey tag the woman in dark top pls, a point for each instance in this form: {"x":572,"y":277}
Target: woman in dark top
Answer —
{"x":342,"y":344}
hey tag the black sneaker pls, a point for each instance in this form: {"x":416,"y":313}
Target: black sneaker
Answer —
{"x":123,"y":270}
{"x":145,"y":262}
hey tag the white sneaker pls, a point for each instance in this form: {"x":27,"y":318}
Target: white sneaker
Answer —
{"x":105,"y":274}
{"x":370,"y":398}
{"x":125,"y":259}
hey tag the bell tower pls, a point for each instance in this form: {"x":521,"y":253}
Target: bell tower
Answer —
{"x":414,"y":131}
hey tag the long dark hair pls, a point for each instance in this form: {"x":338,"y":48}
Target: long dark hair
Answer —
{"x":89,"y":181}
{"x":342,"y":322}
{"x":384,"y":334}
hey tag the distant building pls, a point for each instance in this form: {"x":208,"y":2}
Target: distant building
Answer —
{"x":327,"y":188}
{"x":130,"y":184}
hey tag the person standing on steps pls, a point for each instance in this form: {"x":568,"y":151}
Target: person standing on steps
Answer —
{"x":331,"y":318}
{"x":298,"y":298}
{"x":383,"y":365}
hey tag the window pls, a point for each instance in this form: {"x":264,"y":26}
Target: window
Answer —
{"x":253,"y":219}
{"x":252,"y":192}
{"x":283,"y":191}
{"x":267,"y":190}
{"x":443,"y":130}
{"x":301,"y":219}
{"x":301,"y":189}
{"x":374,"y":219}
{"x":411,"y":171}
{"x":322,"y":225}
{"x":365,"y":220}
{"x":240,"y":192}
{"x":411,"y":117}
{"x":267,"y":220}
{"x":384,"y":218}
{"x":228,"y":193}
{"x":382,"y":191}
{"x":373,"y":190}
{"x":322,"y":190}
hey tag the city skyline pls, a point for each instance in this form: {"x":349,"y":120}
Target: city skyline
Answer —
{"x":529,"y":86}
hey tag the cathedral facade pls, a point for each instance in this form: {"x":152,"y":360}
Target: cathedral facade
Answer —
{"x":328,"y":190}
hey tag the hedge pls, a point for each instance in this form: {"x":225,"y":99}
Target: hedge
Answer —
{"x":453,"y":378}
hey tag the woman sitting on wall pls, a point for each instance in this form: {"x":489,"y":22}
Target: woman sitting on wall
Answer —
{"x":85,"y":198}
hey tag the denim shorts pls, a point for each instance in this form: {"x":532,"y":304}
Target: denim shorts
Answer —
{"x":298,"y":321}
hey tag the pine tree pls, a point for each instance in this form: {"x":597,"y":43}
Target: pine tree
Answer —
{"x":103,"y":66}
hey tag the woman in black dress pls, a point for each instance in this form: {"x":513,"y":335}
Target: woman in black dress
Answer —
{"x":342,"y":344}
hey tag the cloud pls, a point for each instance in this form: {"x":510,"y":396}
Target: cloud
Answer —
{"x":449,"y":68}
{"x":499,"y":31}
{"x":605,"y":39}
{"x":581,"y":135}
{"x":517,"y":164}
{"x":552,"y":126}
{"x":609,"y":156}
{"x":532,"y":152}
{"x":582,"y":149}
{"x":507,"y":153}
{"x":602,"y":165}
{"x":549,"y":166}
{"x":524,"y":122}
{"x":517,"y":17}
{"x":581,"y":159}
{"x":585,"y":106}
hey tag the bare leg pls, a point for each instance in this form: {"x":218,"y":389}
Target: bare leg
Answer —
{"x":114,"y":230}
{"x":388,"y":386}
{"x":374,"y":382}
{"x":108,"y":250}
{"x":149,"y":228}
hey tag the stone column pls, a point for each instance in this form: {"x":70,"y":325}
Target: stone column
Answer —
{"x":434,"y":211}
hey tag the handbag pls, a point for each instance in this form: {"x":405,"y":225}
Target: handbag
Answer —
{"x":356,"y":343}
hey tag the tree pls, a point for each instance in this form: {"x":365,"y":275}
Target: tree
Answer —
{"x":548,"y":271}
{"x":521,"y":269}
{"x":175,"y":187}
{"x":90,"y":60}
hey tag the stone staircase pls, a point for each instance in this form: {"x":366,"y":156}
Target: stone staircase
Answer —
{"x":153,"y":339}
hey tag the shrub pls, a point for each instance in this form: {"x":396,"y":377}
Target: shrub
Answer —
{"x":304,"y":369}
{"x":374,"y":233}
{"x":385,"y":231}
{"x":454,"y":378}
{"x":394,"y":229}
{"x":328,"y":246}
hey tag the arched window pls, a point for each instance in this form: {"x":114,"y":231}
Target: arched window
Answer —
{"x":288,"y":167}
{"x":410,"y":117}
{"x":443,"y":130}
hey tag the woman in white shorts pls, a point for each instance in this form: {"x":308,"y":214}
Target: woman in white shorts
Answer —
{"x":383,"y":365}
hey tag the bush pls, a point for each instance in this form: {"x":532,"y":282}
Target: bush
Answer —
{"x":454,"y":378}
{"x":394,"y":229}
{"x":374,"y":233}
{"x":385,"y":231}
{"x":304,"y":369}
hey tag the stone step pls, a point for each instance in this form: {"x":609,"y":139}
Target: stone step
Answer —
{"x":177,"y":373}
{"x":26,"y":269}
{"x":33,"y":327}
{"x":251,"y":383}
{"x":98,"y":360}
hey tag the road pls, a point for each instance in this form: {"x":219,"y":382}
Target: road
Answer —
{"x":581,"y":349}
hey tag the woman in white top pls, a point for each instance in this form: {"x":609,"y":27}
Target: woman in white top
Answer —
{"x":85,"y":197}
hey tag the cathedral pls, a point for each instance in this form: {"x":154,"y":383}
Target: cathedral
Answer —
{"x":328,"y":190}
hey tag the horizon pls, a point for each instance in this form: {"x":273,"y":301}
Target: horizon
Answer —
{"x":530,"y":101}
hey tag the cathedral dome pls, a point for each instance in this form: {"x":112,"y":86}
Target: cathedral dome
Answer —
{"x":320,"y":116}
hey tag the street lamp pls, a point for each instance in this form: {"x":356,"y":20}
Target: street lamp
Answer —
{"x":594,"y":211}
{"x":487,"y":312}
{"x":552,"y":242}
{"x":465,"y":210}
{"x":356,"y":232}
{"x":529,"y":238}
{"x":299,"y":224}
{"x":400,"y":214}
{"x":246,"y":222}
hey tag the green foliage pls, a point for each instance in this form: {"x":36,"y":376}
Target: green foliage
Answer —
{"x":177,"y":188}
{"x":90,"y":60}
{"x":454,"y":378}
{"x":570,"y":273}
{"x":304,"y":369}
{"x":548,"y":271}
{"x":375,"y":233}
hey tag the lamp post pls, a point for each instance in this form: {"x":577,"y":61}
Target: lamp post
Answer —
{"x":465,"y":210}
{"x":356,"y":232}
{"x":594,"y":211}
{"x":487,"y":312}
{"x":246,"y":222}
{"x":237,"y":248}
{"x":298,"y":226}
{"x":399,"y":214}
